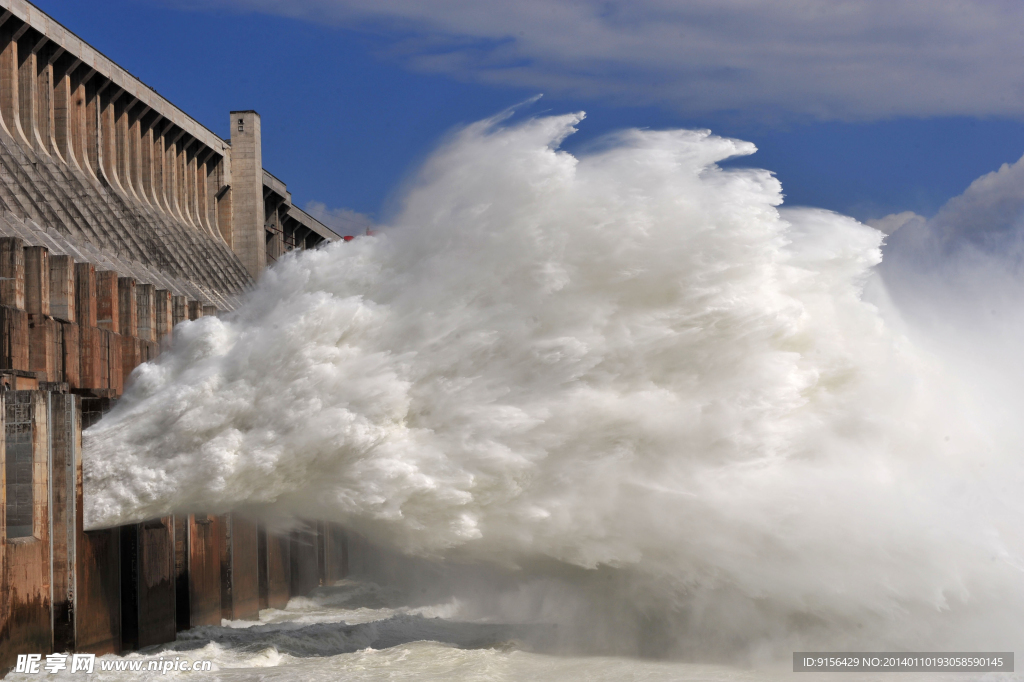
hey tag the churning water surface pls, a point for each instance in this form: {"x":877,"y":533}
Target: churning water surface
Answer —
{"x":358,"y":632}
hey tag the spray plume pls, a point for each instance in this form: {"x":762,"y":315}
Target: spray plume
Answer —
{"x":631,"y":361}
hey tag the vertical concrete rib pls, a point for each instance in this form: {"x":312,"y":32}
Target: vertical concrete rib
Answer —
{"x":108,"y":100}
{"x":27,"y":96}
{"x":80,"y":117}
{"x":225,"y":212}
{"x":213,"y":185}
{"x":190,"y":183}
{"x":120,"y":142}
{"x":193,"y":174}
{"x":121,"y":146}
{"x":46,"y":52}
{"x":94,"y":89}
{"x":201,"y":186}
{"x":181,"y":178}
{"x":160,"y":165}
{"x":63,"y":109}
{"x":171,"y":176}
{"x":174,"y":176}
{"x":9,"y":99}
{"x":146,"y":157}
{"x":133,"y":139}
{"x":184,"y":181}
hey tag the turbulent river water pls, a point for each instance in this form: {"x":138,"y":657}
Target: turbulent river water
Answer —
{"x":360,"y":632}
{"x":620,"y":408}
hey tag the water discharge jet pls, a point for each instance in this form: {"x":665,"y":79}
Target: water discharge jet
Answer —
{"x":626,"y":377}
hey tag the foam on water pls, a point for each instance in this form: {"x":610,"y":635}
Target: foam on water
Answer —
{"x":629,"y":379}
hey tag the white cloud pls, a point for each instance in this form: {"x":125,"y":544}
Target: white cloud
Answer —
{"x":343,"y":221}
{"x":988,"y":218}
{"x":989,"y":214}
{"x":957,"y":279}
{"x":833,"y":59}
{"x":963,"y":268}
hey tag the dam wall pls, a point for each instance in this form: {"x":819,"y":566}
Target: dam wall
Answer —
{"x":121,"y":217}
{"x":97,"y":166}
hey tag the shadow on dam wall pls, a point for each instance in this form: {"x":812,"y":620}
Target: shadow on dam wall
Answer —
{"x":64,"y":355}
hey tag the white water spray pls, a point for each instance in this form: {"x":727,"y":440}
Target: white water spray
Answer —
{"x":627,"y":362}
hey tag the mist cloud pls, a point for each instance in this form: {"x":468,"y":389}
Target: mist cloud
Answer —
{"x":829,"y":59}
{"x":343,"y":221}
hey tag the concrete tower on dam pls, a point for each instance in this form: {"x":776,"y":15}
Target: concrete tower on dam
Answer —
{"x":120,"y":216}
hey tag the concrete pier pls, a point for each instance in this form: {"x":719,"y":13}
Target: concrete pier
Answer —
{"x":98,"y":557}
{"x":65,"y":413}
{"x":25,"y":612}
{"x":239,"y":568}
{"x":274,"y":569}
{"x":201,"y":557}
{"x":98,"y":600}
{"x":305,"y":565}
{"x":148,"y":597}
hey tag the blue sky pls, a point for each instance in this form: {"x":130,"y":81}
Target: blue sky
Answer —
{"x":877,"y":111}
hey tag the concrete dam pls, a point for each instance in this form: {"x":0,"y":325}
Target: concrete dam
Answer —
{"x":120,"y":216}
